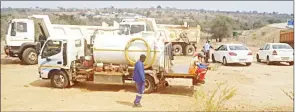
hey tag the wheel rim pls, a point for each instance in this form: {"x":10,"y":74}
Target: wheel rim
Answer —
{"x":190,"y":50}
{"x":176,"y":50}
{"x":32,"y":56}
{"x":59,"y":80}
{"x":147,"y":84}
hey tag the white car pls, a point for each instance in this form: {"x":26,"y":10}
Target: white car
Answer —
{"x":276,"y":52}
{"x":232,"y":53}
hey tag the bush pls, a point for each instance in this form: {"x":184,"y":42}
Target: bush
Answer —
{"x":214,"y":100}
{"x":222,"y":27}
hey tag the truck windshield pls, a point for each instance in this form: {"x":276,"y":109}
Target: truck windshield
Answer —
{"x":124,"y":29}
{"x":136,"y":29}
{"x":52,"y":47}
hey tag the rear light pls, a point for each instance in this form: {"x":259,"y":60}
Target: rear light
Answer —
{"x":232,"y":54}
{"x":250,"y":53}
{"x":274,"y":52}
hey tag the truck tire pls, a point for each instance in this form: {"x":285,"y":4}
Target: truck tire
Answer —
{"x":189,"y":50}
{"x":59,"y":79}
{"x":30,"y":56}
{"x":177,"y":50}
{"x":149,"y":84}
{"x":20,"y":57}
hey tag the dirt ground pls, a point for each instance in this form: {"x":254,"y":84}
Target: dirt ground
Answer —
{"x":259,"y":88}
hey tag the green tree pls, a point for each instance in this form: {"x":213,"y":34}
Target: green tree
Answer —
{"x":159,"y":7}
{"x":148,"y":13}
{"x":221,"y":28}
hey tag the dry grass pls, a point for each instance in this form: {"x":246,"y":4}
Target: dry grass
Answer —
{"x":290,"y":94}
{"x":214,"y":100}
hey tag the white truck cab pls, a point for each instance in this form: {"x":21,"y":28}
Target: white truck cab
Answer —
{"x":58,"y":53}
{"x":22,"y":38}
{"x":23,"y":35}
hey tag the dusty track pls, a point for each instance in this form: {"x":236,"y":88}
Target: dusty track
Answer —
{"x":259,"y":88}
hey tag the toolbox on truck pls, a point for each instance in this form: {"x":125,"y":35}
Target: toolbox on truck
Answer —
{"x":108,"y":78}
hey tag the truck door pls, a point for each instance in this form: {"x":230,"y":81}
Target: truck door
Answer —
{"x":52,"y":55}
{"x":21,"y":32}
{"x":168,"y":56}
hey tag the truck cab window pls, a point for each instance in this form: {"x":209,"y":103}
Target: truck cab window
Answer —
{"x":51,"y":48}
{"x":136,"y":29}
{"x":21,"y":27}
{"x":13,"y":31}
{"x":124,"y":29}
{"x":78,"y":43}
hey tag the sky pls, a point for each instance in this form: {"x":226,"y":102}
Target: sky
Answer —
{"x":260,"y":6}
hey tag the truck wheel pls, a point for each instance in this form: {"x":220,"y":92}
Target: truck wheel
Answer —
{"x":149,"y":84}
{"x":30,"y":56}
{"x":189,"y":50}
{"x":20,"y":57}
{"x":59,"y":80}
{"x":177,"y":50}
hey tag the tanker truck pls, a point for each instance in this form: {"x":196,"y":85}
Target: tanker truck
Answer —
{"x":23,"y":35}
{"x":111,"y":61}
{"x":182,"y":37}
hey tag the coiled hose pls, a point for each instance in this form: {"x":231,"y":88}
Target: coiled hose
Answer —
{"x":148,"y":53}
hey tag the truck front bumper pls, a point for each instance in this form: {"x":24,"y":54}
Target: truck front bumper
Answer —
{"x":11,"y":51}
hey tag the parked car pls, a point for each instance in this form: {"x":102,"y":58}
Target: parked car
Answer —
{"x":276,"y":52}
{"x":232,"y":53}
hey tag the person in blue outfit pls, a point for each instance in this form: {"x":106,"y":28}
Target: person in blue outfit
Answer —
{"x":207,"y":47}
{"x":139,"y":78}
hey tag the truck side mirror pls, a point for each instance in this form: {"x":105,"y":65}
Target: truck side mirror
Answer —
{"x":48,"y":59}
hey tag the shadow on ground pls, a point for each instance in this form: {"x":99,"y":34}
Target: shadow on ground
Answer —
{"x":5,"y":61}
{"x":128,"y":87}
{"x":125,"y":103}
{"x":274,"y":64}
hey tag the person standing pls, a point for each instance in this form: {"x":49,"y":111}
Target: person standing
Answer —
{"x":207,"y":47}
{"x":139,"y":78}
